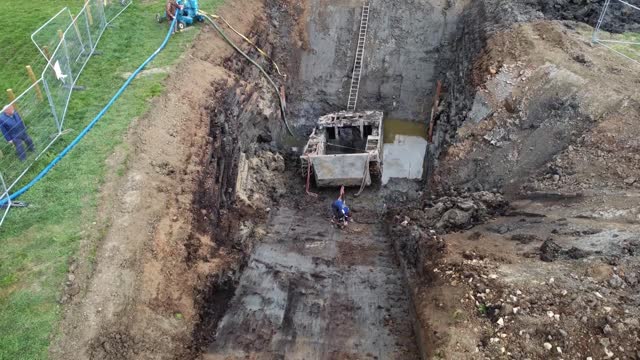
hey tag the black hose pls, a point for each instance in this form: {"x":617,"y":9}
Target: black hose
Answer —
{"x":275,"y":87}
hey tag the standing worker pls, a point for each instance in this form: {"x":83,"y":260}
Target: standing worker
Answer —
{"x":15,"y":132}
{"x":340,"y":210}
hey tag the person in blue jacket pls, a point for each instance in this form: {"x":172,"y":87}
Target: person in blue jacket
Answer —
{"x":340,"y":209}
{"x":15,"y":132}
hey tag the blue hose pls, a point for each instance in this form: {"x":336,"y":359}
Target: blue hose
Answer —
{"x":86,"y":130}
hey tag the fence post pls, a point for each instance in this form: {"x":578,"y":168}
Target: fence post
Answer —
{"x":12,"y":97}
{"x":86,"y":22}
{"x":75,"y":27}
{"x":47,"y":54}
{"x":89,"y":16}
{"x":71,"y":78}
{"x":34,"y":81}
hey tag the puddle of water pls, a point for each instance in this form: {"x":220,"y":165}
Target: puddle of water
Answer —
{"x":393,"y":127}
{"x":405,"y":146}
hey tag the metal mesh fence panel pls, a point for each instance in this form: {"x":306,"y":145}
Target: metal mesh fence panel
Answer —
{"x":76,"y":50}
{"x":618,"y":28}
{"x":95,"y":20}
{"x":49,"y":35}
{"x":58,"y":80}
{"x":34,"y":120}
{"x":29,"y":128}
{"x":4,"y":195}
{"x":113,"y":8}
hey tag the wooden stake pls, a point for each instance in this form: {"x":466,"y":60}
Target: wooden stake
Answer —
{"x":47,"y":54}
{"x":11,"y":95}
{"x":34,"y":81}
{"x":75,"y":24}
{"x":89,"y":15}
{"x":12,"y":98}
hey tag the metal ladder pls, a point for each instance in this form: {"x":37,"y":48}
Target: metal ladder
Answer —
{"x":357,"y":66}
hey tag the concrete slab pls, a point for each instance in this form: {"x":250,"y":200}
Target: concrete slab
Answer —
{"x":343,"y":169}
{"x":404,"y":158}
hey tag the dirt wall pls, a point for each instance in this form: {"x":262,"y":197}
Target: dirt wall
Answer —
{"x":487,"y":38}
{"x":239,"y":181}
{"x":316,"y":42}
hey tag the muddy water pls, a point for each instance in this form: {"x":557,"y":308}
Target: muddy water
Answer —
{"x":314,"y":292}
{"x":404,"y":150}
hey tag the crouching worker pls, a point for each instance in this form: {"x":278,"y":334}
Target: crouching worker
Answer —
{"x":170,"y":10}
{"x":15,"y":132}
{"x":341,"y":213}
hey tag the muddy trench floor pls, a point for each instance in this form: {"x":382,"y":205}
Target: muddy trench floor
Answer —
{"x":312,"y":291}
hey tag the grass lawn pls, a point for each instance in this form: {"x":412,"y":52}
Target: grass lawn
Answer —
{"x":37,"y":242}
{"x":630,"y":50}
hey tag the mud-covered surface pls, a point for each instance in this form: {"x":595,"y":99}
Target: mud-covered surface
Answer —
{"x":311,"y":291}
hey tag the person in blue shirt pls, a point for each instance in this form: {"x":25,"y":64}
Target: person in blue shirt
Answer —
{"x":340,"y":209}
{"x":15,"y":132}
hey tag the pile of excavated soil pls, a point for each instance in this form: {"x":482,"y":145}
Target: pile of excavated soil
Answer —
{"x":549,"y":112}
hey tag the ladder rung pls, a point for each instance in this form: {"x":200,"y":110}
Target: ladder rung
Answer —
{"x":358,"y":64}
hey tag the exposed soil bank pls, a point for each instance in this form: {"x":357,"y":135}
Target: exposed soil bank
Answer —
{"x":533,"y":111}
{"x":499,"y":72}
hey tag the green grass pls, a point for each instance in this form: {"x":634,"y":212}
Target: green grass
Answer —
{"x":630,"y":50}
{"x":17,"y":50}
{"x":37,"y":242}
